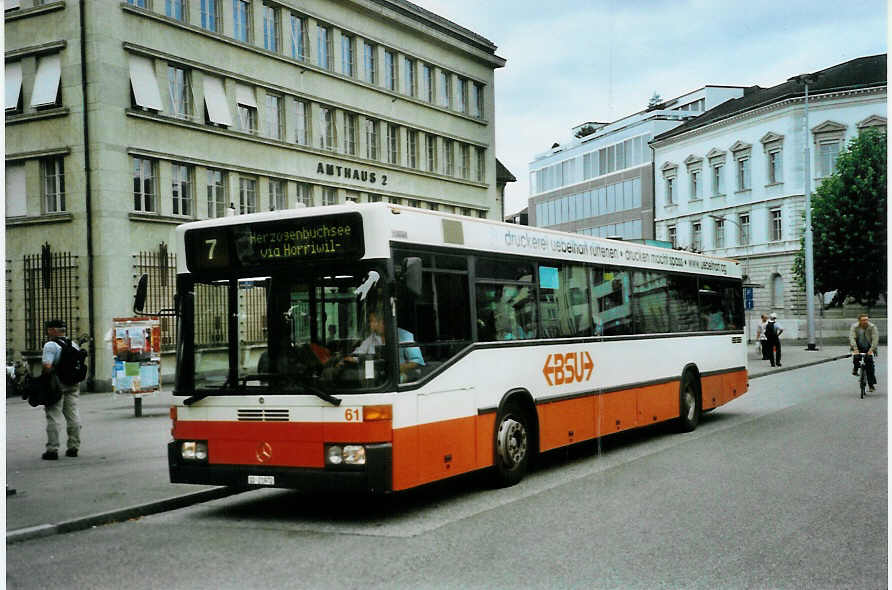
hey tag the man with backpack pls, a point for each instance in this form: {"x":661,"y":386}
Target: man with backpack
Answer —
{"x":773,"y":331}
{"x":63,"y":367}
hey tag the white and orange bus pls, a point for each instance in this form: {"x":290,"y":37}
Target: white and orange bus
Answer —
{"x":377,"y":347}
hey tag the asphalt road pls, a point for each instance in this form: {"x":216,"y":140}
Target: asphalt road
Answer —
{"x":785,"y":487}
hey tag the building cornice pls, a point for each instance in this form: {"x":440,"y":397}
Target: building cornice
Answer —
{"x":775,"y":106}
{"x":36,"y":116}
{"x":35,"y":50}
{"x":21,"y":156}
{"x":11,"y":15}
{"x":45,"y":218}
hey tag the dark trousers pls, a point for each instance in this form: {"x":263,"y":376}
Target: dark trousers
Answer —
{"x":776,"y":345}
{"x":766,"y":350}
{"x":868,"y":365}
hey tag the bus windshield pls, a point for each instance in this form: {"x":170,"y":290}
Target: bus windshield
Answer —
{"x":320,"y":332}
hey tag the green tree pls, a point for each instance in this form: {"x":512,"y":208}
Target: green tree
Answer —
{"x":849,"y":225}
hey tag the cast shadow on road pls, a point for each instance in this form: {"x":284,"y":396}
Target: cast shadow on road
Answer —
{"x":375,"y":510}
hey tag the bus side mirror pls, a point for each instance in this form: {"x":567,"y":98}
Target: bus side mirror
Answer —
{"x":139,"y":302}
{"x":413,"y":275}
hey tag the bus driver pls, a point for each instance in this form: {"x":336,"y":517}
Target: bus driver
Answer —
{"x":410,"y":356}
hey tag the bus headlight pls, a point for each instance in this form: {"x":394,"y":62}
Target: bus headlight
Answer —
{"x":345,"y":455}
{"x":192,"y":450}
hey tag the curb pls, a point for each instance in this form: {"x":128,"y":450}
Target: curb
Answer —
{"x":139,"y":510}
{"x":794,"y":367}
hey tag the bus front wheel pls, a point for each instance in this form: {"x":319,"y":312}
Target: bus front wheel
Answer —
{"x":689,"y":406}
{"x":512,"y":445}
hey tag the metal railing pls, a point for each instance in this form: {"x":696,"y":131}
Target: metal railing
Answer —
{"x":51,"y":292}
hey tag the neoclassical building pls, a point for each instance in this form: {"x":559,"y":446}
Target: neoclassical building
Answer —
{"x":127,"y":118}
{"x":731,"y":182}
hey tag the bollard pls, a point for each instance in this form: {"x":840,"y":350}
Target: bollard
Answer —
{"x":137,"y":406}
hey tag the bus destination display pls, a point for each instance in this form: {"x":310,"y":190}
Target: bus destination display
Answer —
{"x":276,"y":242}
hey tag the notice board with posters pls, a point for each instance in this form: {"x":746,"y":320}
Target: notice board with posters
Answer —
{"x":136,"y":345}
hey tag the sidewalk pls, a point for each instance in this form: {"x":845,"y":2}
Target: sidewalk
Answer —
{"x":122,"y":468}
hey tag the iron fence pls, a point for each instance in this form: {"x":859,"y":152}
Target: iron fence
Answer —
{"x":161,"y":267}
{"x":51,"y":292}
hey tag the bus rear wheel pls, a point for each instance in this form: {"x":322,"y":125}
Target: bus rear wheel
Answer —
{"x":512,"y":446}
{"x":689,"y":406}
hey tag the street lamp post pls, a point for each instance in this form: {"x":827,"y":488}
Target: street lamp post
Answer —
{"x":807,"y":79}
{"x":746,"y":259}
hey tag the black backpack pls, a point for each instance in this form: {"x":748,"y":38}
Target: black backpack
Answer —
{"x":72,"y":366}
{"x":41,"y":391}
{"x":770,"y":331}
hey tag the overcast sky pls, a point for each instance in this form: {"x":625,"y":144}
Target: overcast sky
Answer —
{"x":571,"y":61}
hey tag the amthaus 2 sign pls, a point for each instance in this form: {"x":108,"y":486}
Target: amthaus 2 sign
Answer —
{"x":317,"y":239}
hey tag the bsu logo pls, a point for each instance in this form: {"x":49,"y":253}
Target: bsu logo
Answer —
{"x":568,"y":368}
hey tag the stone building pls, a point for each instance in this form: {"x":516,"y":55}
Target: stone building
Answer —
{"x":125,"y":119}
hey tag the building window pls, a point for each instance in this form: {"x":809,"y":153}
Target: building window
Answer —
{"x":241,"y":20}
{"x":181,"y":189}
{"x":302,"y":123}
{"x":414,"y":203}
{"x":743,"y":174}
{"x":696,"y":236}
{"x":374,"y":198}
{"x":273,"y":119}
{"x":175,"y":9}
{"x":466,"y":211}
{"x":695,"y":184}
{"x":409,"y":80}
{"x":140,"y":3}
{"x":370,"y":59}
{"x":717,"y":180}
{"x":305,"y":194}
{"x":462,"y":95}
{"x":47,"y":89}
{"x":412,"y":148}
{"x":210,"y":15}
{"x":431,"y":150}
{"x":828,"y":152}
{"x":329,"y":195}
{"x":776,"y":225}
{"x":444,"y":91}
{"x":777,"y":291}
{"x":672,"y":236}
{"x":719,"y":233}
{"x":53,"y":184}
{"x":143,"y":184}
{"x":216,"y":192}
{"x":481,"y":214}
{"x":744,"y":221}
{"x":298,"y":37}
{"x":670,"y":191}
{"x":277,"y":196}
{"x":350,"y":134}
{"x":450,"y":157}
{"x":327,"y":131}
{"x":433,"y":206}
{"x":347,"y":59}
{"x":271,"y":33}
{"x":481,"y":164}
{"x":371,"y":139}
{"x":247,"y":117}
{"x":14,"y":87}
{"x":465,"y":163}
{"x":323,"y":47}
{"x":180,"y":89}
{"x":477,"y":100}
{"x":247,"y":195}
{"x":427,"y":81}
{"x":775,"y":171}
{"x":392,"y":144}
{"x":389,"y":70}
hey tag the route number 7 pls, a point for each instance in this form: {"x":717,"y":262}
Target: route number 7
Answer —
{"x":211,"y":244}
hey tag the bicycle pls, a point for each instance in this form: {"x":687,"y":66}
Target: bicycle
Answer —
{"x":862,"y":367}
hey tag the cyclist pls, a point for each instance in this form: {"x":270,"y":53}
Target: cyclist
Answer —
{"x":864,"y":338}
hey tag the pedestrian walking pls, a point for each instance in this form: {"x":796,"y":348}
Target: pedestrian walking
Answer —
{"x":773,"y":330}
{"x":67,"y":405}
{"x":762,"y":338}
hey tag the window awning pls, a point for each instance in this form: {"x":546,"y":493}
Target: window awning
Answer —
{"x":13,"y":84}
{"x":46,"y":83}
{"x":144,"y":83}
{"x":244,"y":95}
{"x":15,"y":190}
{"x":215,"y":99}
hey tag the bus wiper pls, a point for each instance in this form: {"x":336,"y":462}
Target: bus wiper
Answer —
{"x":335,"y":401}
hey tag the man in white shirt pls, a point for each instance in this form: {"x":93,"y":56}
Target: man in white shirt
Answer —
{"x":67,"y":404}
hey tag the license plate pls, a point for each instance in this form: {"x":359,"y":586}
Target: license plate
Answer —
{"x":261,"y":480}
